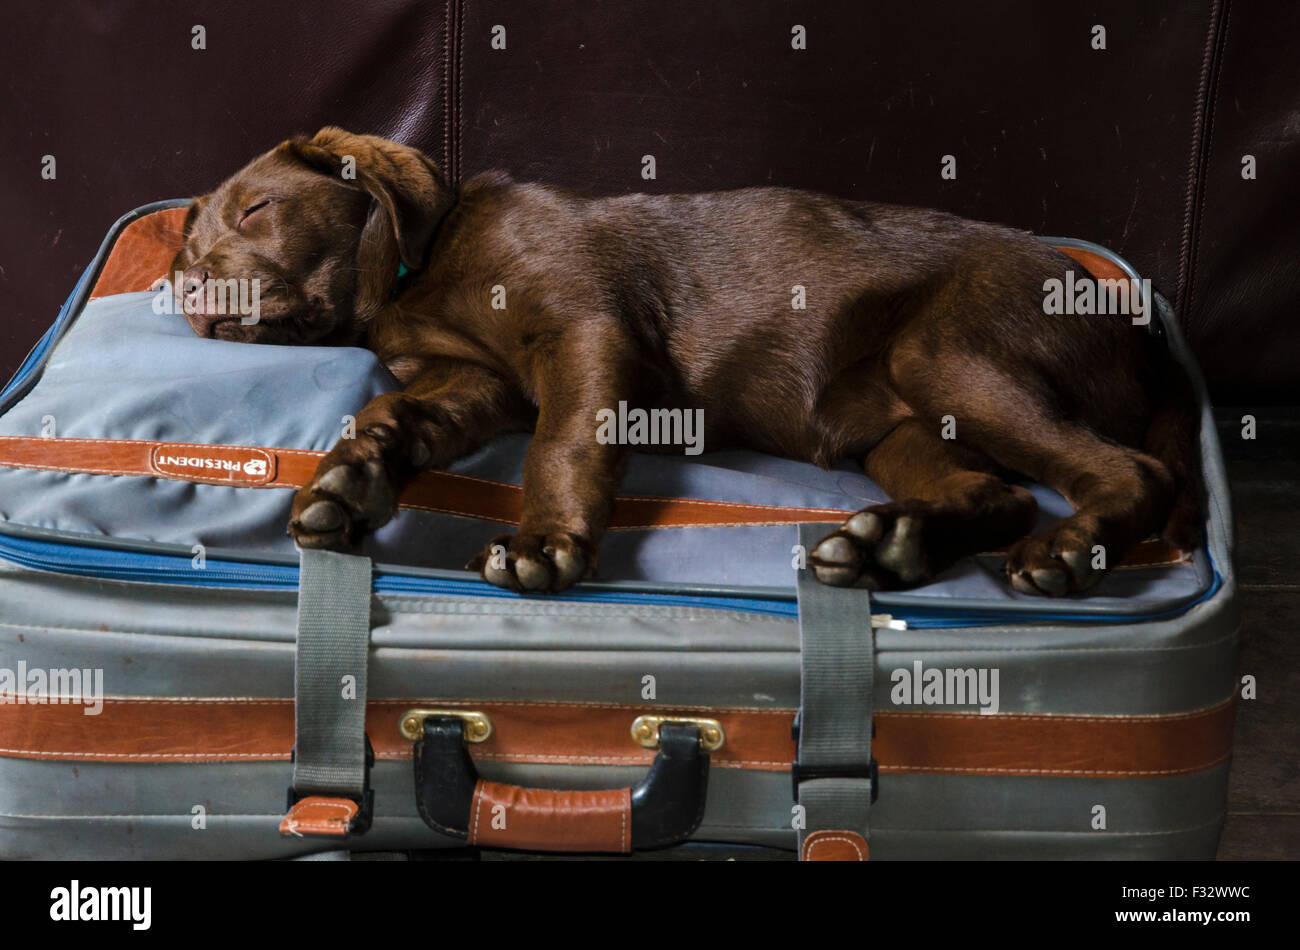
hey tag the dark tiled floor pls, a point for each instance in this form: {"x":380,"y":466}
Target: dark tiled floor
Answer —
{"x":1264,"y":789}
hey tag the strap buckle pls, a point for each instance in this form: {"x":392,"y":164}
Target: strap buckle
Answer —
{"x":806,"y":773}
{"x":870,"y":771}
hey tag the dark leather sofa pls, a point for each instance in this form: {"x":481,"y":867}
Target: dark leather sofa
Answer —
{"x":1138,"y":146}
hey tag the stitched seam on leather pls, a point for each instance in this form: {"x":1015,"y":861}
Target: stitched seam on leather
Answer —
{"x":494,"y":519}
{"x":189,"y":479}
{"x":77,"y":440}
{"x":446,"y":88}
{"x":710,"y":524}
{"x":313,"y":453}
{"x":97,"y":471}
{"x":316,"y":453}
{"x":345,"y":809}
{"x":293,"y":825}
{"x":478,"y":807}
{"x":460,"y":89}
{"x":277,"y":483}
{"x":730,"y":504}
{"x":611,"y":760}
{"x":526,"y":703}
{"x":213,"y":756}
{"x":1220,"y":55}
{"x":1096,"y":773}
{"x":668,"y":710}
{"x":1198,"y":162}
{"x":1068,"y":717}
{"x":719,"y":826}
{"x":812,"y":841}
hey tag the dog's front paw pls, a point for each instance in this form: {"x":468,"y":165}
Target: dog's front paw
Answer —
{"x":342,"y":504}
{"x":355,"y":488}
{"x":535,"y":562}
{"x":345,"y":500}
{"x":879,"y":548}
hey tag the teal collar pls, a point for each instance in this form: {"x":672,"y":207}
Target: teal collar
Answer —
{"x":400,"y":284}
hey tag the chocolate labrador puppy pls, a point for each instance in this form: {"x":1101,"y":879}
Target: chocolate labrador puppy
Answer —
{"x":923,"y":349}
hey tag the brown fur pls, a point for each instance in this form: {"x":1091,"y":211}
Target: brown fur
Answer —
{"x":684,"y":301}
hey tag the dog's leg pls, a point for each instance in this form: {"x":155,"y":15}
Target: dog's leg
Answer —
{"x":1120,"y":495}
{"x":446,"y":412}
{"x":570,"y":476}
{"x":949,"y":503}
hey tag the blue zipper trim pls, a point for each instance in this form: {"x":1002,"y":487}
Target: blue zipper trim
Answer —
{"x":138,"y":566}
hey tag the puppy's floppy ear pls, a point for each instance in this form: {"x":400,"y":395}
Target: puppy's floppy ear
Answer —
{"x":409,"y":187}
{"x":180,"y":262}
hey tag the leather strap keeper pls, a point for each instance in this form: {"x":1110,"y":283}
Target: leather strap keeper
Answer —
{"x":829,"y":845}
{"x":319,"y":815}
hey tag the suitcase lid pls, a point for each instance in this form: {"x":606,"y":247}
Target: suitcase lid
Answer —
{"x":126,"y":430}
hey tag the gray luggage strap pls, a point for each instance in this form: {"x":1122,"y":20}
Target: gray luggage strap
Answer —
{"x":332,"y":756}
{"x":835,"y":776}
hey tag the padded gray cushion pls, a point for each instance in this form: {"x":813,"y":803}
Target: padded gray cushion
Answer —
{"x":124,"y":372}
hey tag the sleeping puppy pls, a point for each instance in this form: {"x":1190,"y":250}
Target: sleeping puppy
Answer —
{"x":923,"y":349}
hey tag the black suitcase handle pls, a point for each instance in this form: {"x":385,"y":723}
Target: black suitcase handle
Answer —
{"x":664,"y":808}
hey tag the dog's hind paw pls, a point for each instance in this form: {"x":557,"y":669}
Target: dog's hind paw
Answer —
{"x":1057,"y":562}
{"x":533,"y":563}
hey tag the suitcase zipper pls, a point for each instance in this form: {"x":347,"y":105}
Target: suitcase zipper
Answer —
{"x":167,"y":568}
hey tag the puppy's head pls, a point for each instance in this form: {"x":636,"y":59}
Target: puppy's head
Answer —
{"x":303,"y":244}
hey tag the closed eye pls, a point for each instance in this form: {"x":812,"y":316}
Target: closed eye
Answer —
{"x":253,"y":209}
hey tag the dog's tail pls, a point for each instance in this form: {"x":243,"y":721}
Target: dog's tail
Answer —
{"x":1173,"y":437}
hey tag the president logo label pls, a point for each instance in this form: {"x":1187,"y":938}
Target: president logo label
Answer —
{"x":219,"y":464}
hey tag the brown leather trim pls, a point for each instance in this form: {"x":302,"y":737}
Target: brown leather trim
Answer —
{"x":1100,"y":267}
{"x":194,"y":729}
{"x":319,"y":815}
{"x":462,"y":495}
{"x":835,"y":846}
{"x":142,"y":253}
{"x":1057,"y":745}
{"x":538,"y":819}
{"x":145,"y":729}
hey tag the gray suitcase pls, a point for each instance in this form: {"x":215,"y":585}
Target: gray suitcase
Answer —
{"x":178,"y":681}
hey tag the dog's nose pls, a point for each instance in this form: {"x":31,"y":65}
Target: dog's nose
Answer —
{"x":193,"y":282}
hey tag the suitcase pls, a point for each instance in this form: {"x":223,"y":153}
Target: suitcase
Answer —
{"x":178,"y":682}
